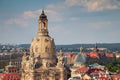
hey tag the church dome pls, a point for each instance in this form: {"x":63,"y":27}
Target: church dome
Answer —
{"x":80,"y":58}
{"x":43,"y":46}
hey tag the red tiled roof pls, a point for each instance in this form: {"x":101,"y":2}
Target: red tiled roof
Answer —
{"x":103,"y":78}
{"x":109,"y":55}
{"x":69,"y":54}
{"x":96,"y":71}
{"x":12,"y":76}
{"x":117,"y":76}
{"x":93,"y":55}
{"x":82,"y":70}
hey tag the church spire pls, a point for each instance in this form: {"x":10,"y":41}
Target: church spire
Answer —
{"x":95,"y":48}
{"x":10,"y":63}
{"x":43,"y":11}
{"x":61,"y":53}
{"x":43,"y":24}
{"x":81,"y":49}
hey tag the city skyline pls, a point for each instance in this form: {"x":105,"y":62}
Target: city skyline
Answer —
{"x":70,"y":21}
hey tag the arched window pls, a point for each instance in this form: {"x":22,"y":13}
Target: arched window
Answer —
{"x":43,"y":25}
{"x":46,"y":49}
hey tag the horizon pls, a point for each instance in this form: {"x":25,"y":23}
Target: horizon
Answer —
{"x":58,"y":44}
{"x":69,"y":21}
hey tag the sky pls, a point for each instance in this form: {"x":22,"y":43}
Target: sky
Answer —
{"x":69,"y":21}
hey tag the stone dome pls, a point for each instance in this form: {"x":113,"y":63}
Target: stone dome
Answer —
{"x":80,"y":58}
{"x":43,"y":46}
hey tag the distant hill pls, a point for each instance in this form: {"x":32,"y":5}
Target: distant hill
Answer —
{"x":75,"y":47}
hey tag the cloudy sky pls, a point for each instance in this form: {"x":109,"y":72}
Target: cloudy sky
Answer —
{"x":70,"y":21}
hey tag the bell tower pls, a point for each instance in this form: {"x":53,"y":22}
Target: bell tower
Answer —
{"x":43,"y":24}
